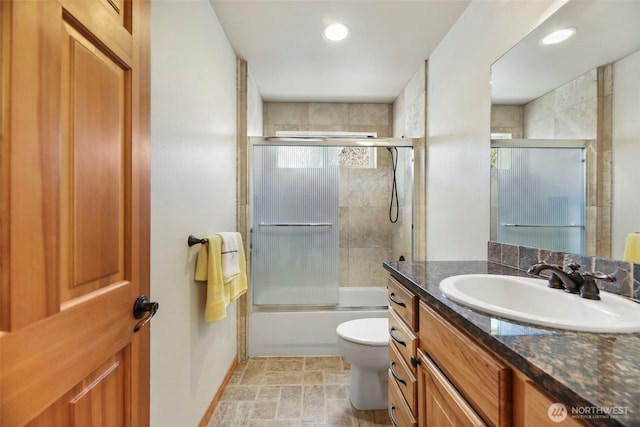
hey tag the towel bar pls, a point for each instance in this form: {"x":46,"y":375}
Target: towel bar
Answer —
{"x":192,"y":240}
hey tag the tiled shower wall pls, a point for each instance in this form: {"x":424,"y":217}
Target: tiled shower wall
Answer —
{"x":410,"y":121}
{"x":367,"y":236}
{"x":567,"y":112}
{"x":365,"y":229}
{"x":327,"y":117}
{"x":627,"y":274}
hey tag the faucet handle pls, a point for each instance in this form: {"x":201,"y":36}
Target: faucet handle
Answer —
{"x":601,"y":276}
{"x":589,"y":289}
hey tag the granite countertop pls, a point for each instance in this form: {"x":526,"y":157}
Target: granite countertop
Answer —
{"x":587,"y":371}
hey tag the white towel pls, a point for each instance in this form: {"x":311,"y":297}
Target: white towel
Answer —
{"x":230,"y":256}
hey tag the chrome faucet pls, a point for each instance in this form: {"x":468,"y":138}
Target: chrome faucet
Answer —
{"x":573,"y":281}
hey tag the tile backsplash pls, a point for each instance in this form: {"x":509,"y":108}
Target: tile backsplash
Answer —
{"x":627,"y":274}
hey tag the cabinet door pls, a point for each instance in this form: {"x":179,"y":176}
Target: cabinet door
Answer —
{"x":440,"y":403}
{"x":537,"y":406}
{"x":482,"y":379}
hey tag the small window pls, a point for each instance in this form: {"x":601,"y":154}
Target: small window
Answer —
{"x":358,"y":157}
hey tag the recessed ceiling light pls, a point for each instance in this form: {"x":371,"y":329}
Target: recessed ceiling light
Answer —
{"x":558,"y":36}
{"x":336,"y":32}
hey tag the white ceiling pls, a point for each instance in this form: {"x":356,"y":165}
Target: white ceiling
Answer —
{"x":282,"y":42}
{"x":290,"y":60}
{"x":607,"y":30}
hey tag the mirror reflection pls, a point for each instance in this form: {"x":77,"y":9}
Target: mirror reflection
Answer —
{"x":565,"y":126}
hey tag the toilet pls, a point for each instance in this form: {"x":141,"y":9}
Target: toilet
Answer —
{"x":363,"y":342}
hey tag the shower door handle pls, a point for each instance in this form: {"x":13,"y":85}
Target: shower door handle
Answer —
{"x":545,"y":225}
{"x":296,"y":224}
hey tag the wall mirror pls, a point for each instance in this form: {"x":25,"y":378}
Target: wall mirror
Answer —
{"x":565,"y":125}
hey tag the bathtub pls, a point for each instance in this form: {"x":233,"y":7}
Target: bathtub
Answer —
{"x":311,"y":332}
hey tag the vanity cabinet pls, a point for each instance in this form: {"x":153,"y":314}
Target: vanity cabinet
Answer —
{"x":441,"y":376}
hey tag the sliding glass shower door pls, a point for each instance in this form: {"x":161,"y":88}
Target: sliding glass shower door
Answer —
{"x":295,"y":230}
{"x":541,"y":197}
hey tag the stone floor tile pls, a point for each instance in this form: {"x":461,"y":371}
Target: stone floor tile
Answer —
{"x":311,"y":391}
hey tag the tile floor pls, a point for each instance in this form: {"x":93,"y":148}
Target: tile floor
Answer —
{"x":292,"y":391}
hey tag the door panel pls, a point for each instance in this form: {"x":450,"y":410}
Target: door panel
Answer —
{"x":41,"y":362}
{"x":74,"y":212}
{"x":89,"y":401}
{"x":95,"y":146}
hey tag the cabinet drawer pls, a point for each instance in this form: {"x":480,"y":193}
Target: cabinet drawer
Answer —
{"x":443,"y":405}
{"x":483,"y":380}
{"x":402,"y":338}
{"x":404,"y":302}
{"x":399,"y":412}
{"x":403,"y":378}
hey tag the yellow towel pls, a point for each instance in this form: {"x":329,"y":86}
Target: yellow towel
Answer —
{"x":209,"y":269}
{"x":632,"y":248}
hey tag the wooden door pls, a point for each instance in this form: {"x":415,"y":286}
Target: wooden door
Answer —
{"x":74,"y":212}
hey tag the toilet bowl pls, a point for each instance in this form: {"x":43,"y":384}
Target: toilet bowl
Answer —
{"x":363,"y":342}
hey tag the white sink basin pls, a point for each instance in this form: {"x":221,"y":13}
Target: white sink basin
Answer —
{"x":529,"y":300}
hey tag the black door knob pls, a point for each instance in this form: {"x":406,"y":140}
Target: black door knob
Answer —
{"x":145,"y":310}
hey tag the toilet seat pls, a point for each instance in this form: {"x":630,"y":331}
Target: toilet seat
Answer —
{"x":373,"y":331}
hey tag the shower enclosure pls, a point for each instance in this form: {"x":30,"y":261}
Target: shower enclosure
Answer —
{"x":323,"y":213}
{"x":540,"y":197}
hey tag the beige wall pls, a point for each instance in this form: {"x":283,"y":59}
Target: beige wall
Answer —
{"x":508,"y":119}
{"x":327,"y":117}
{"x":193,"y":144}
{"x":567,"y":112}
{"x":409,"y":121}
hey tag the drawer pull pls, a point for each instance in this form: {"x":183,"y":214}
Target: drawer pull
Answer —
{"x":393,"y":300}
{"x":393,"y":372}
{"x":393,"y":419}
{"x":393,"y":337}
